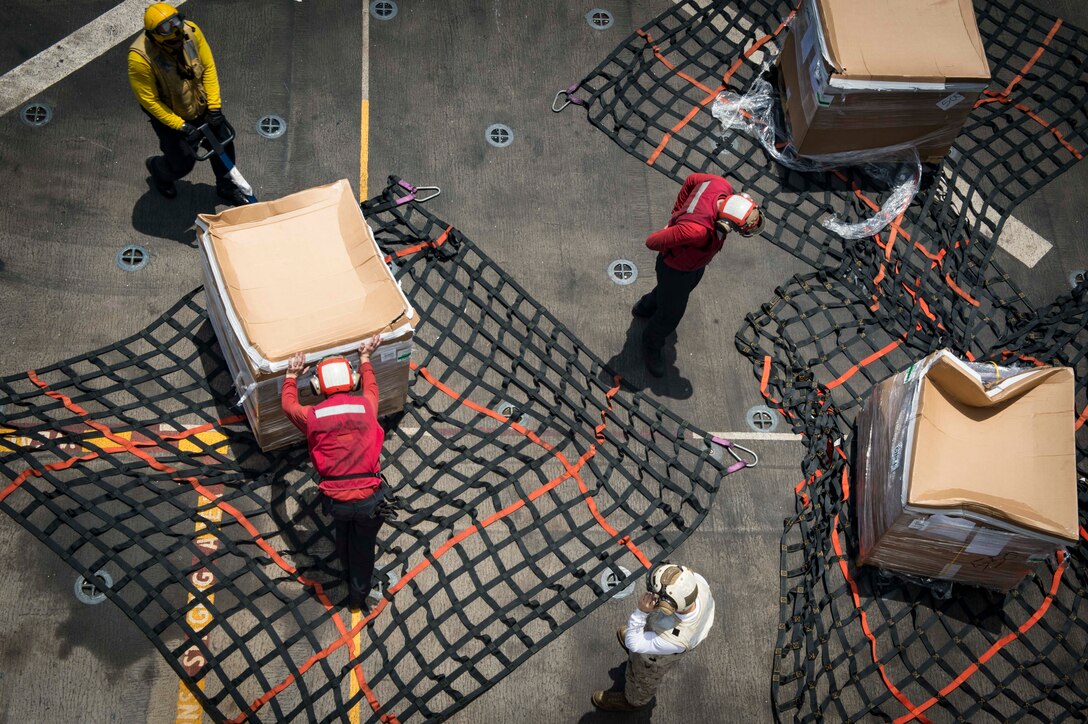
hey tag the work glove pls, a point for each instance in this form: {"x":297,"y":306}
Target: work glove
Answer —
{"x":193,"y":136}
{"x":387,"y":509}
{"x":215,"y":118}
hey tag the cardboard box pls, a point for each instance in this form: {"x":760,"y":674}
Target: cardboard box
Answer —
{"x":301,"y":274}
{"x":967,"y":472}
{"x":859,"y":75}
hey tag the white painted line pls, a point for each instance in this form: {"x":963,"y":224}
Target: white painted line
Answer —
{"x":66,"y":56}
{"x":1022,"y":243}
{"x":746,"y":435}
{"x":738,"y":435}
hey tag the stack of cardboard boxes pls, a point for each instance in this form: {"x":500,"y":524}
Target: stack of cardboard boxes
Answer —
{"x":967,"y":472}
{"x":301,"y":274}
{"x":863,"y":75}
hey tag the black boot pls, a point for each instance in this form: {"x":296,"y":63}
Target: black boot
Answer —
{"x":358,"y":603}
{"x":162,"y":184}
{"x":612,"y":701}
{"x":654,"y":359}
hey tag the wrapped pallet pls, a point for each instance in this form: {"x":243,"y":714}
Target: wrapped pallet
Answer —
{"x":860,"y":76}
{"x":301,"y":274}
{"x":967,"y":472}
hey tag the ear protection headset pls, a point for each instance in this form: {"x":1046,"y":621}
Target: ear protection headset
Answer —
{"x":735,"y":212}
{"x":334,"y":374}
{"x":674,"y":586}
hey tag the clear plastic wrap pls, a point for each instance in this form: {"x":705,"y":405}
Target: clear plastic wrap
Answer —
{"x":899,"y":168}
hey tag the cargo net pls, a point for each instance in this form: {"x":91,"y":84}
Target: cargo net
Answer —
{"x":531,"y":490}
{"x":857,"y":643}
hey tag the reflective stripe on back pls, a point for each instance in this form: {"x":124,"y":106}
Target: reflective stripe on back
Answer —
{"x":348,"y":409}
{"x":698,"y":195}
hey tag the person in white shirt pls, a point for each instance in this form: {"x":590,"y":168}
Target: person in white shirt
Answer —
{"x":673,"y":616}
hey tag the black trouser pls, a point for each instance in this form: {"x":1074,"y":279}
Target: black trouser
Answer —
{"x":356,"y":525}
{"x":177,"y":159}
{"x":667,"y":302}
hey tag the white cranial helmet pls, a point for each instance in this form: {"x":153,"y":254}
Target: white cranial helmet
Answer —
{"x":675,"y":586}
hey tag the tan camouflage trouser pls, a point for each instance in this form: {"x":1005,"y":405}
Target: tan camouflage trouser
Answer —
{"x":644,"y":674}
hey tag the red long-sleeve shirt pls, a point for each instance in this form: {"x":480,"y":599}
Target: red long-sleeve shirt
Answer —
{"x":342,"y":454}
{"x":690,"y":243}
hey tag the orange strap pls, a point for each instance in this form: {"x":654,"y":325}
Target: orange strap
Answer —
{"x":868,"y":360}
{"x":845,"y":570}
{"x":668,"y":64}
{"x":1054,"y":131}
{"x":572,"y":471}
{"x":1079,"y":424}
{"x":134,"y":448}
{"x":967,"y":673}
{"x":1031,"y":61}
{"x":1003,"y":96}
{"x":569,"y":471}
{"x":422,"y":245}
{"x":970,"y":300}
{"x":763,"y":381}
{"x":711,"y":94}
{"x":798,"y":489}
{"x":35,"y":472}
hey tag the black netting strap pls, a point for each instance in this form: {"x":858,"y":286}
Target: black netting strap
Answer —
{"x":524,"y":475}
{"x":855,"y":643}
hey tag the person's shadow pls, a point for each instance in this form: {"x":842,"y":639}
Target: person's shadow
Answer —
{"x":156,"y":215}
{"x":629,"y":365}
{"x":597,"y":716}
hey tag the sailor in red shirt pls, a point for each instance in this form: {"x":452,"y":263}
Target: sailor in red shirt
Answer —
{"x":705,"y":211}
{"x":345,"y":442}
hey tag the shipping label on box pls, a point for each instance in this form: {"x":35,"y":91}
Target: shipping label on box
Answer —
{"x":820,"y":81}
{"x":950,"y":101}
{"x":988,"y":543}
{"x":399,"y":352}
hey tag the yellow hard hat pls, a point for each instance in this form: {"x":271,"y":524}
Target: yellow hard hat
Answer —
{"x":157,"y":19}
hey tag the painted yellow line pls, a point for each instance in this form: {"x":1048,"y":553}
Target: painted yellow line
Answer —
{"x":103,"y":444}
{"x":364,"y":111}
{"x":353,"y":686}
{"x":188,"y":709}
{"x":354,"y":714}
{"x":207,"y":439}
{"x":14,"y":442}
{"x":364,"y":150}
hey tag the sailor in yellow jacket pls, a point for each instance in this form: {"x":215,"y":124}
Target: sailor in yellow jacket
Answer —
{"x":172,"y":73}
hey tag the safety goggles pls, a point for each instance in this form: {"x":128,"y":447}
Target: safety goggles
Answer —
{"x":169,"y":29}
